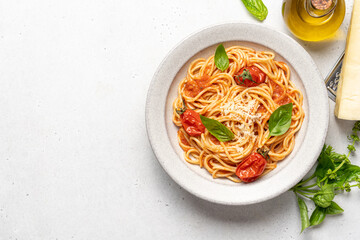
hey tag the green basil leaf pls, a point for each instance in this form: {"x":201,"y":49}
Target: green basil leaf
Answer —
{"x":280,"y":120}
{"x":333,"y":209}
{"x":347,"y":173}
{"x":217,"y":129}
{"x":351,"y":148}
{"x":221,"y":59}
{"x":337,"y":157}
{"x":317,"y":216}
{"x":324,"y":197}
{"x":257,"y":8}
{"x":356,"y":126}
{"x":303,"y":214}
{"x":324,"y":162}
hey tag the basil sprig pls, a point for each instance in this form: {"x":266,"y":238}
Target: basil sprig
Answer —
{"x":221,"y":59}
{"x":280,"y":120}
{"x":217,"y":129}
{"x":334,"y":174}
{"x":257,"y":8}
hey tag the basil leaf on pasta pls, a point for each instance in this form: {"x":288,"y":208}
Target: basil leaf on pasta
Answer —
{"x":280,"y":120}
{"x":217,"y":129}
{"x":257,"y":8}
{"x":221,"y":59}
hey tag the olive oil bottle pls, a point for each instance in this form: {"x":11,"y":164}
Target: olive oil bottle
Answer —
{"x":313,"y":20}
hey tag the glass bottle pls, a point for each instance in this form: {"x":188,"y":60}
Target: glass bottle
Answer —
{"x":313,"y":20}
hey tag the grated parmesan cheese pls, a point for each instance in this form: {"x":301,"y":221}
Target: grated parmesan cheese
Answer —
{"x":239,"y":110}
{"x":242,"y":110}
{"x":244,"y":131}
{"x":239,"y":149}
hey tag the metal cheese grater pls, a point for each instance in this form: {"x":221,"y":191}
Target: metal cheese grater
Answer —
{"x":332,"y":79}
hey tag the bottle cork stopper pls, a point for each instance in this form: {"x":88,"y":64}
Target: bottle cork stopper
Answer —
{"x":321,"y":4}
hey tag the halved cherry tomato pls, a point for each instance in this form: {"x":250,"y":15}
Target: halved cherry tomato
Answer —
{"x":257,"y":77}
{"x":251,"y":168}
{"x":192,"y":123}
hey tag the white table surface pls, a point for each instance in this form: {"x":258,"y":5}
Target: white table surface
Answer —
{"x":75,"y":159}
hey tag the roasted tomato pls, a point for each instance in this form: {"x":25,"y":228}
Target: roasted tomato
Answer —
{"x":251,"y":168}
{"x":192,"y":123}
{"x":250,"y":76}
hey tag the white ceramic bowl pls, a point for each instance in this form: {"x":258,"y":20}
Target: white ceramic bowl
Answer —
{"x":162,"y":132}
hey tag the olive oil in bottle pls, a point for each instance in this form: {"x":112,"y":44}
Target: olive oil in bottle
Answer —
{"x":313,"y":20}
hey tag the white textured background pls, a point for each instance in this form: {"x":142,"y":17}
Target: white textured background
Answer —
{"x":75,"y":159}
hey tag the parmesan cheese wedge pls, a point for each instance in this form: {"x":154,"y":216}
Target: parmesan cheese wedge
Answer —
{"x":348,"y":93}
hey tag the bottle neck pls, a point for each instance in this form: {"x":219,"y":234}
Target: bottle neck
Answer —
{"x":320,"y":8}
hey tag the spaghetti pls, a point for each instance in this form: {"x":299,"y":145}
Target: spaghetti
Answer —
{"x":242,"y":109}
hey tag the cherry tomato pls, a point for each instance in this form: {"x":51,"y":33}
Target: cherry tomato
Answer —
{"x":251,"y":168}
{"x":257,"y":76}
{"x":192,"y":123}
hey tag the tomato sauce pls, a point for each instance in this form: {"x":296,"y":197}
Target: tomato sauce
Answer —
{"x":183,"y":139}
{"x":284,"y":100}
{"x":278,"y":91}
{"x":261,"y":109}
{"x":214,"y":140}
{"x":279,"y":95}
{"x":195,"y":86}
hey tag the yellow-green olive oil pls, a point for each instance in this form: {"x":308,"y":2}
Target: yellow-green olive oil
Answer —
{"x":311,"y":24}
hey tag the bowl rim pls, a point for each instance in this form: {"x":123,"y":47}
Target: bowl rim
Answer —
{"x":318,"y":117}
